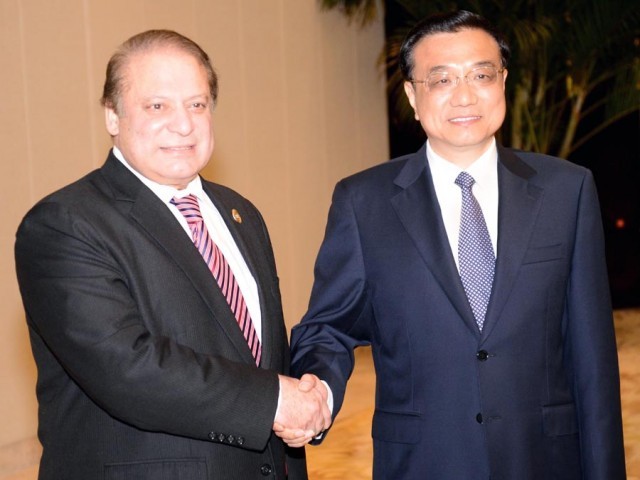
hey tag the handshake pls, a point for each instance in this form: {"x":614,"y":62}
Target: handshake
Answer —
{"x":303,"y":412}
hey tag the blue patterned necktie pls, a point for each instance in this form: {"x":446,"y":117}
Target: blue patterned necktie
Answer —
{"x":475,"y":252}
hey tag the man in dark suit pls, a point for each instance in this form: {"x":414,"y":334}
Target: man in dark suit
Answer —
{"x":486,"y":304}
{"x":152,"y":298}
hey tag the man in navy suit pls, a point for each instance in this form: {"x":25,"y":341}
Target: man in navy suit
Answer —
{"x":516,"y":382}
{"x":152,"y":364}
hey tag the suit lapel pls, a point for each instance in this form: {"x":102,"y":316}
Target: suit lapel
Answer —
{"x":419,"y":211}
{"x":146,"y":209}
{"x":519,"y":204}
{"x":245,"y":242}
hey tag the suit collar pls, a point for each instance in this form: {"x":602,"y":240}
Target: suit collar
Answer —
{"x":519,"y":206}
{"x":124,"y":184}
{"x":148,"y":211}
{"x":417,"y":207}
{"x":245,"y":240}
{"x":414,"y":167}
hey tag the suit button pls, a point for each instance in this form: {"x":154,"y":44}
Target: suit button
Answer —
{"x":221,"y":437}
{"x":266,"y":469}
{"x":479,"y":418}
{"x":231,"y":439}
{"x":482,"y":355}
{"x":212,"y":436}
{"x":240,"y":440}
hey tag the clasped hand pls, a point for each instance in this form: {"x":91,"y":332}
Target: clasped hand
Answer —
{"x":303,"y":412}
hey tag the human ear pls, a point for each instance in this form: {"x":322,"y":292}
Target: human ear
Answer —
{"x":409,"y":90}
{"x":112,"y":121}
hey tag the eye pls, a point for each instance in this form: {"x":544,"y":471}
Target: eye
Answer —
{"x":155,"y":107}
{"x":200,"y":106}
{"x":439,"y":80}
{"x":483,"y":76}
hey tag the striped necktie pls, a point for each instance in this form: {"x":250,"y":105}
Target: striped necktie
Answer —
{"x":213,"y":257}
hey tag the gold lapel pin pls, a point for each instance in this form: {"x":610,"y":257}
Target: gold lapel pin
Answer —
{"x":236,"y":216}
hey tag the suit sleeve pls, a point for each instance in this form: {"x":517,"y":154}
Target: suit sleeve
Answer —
{"x":339,"y":314}
{"x":591,"y":351}
{"x":79,"y":302}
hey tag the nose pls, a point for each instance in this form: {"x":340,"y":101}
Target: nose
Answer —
{"x":463,"y":94}
{"x":181,"y":121}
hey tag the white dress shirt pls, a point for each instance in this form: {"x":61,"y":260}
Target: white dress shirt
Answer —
{"x":484,"y":170}
{"x":218,"y":230}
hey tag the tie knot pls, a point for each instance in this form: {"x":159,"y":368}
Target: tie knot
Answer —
{"x":464,"y":180}
{"x":188,"y":207}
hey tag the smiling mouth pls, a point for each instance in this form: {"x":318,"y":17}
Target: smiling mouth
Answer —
{"x":470,"y":118}
{"x":183,"y":148}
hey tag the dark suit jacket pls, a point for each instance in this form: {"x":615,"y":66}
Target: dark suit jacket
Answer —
{"x":143,"y":372}
{"x":535,"y":396}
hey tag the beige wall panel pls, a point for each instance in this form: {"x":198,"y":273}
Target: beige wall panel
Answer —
{"x":106,"y":26}
{"x":265,"y":97}
{"x":262,"y":99}
{"x":14,"y":126}
{"x":176,"y":15}
{"x":373,"y":145}
{"x":265,"y":106}
{"x":17,"y":371}
{"x":306,"y":157}
{"x":56,"y":91}
{"x":340,"y":83}
{"x":120,"y":19}
{"x":220,"y":29}
{"x":18,"y":405}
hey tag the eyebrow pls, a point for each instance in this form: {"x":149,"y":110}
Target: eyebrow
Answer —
{"x":198,"y":96}
{"x":484,"y":63}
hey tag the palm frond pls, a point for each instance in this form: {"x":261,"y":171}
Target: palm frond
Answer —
{"x":362,"y":11}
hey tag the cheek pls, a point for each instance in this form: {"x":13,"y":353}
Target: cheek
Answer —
{"x":434,"y":112}
{"x":497,"y":102}
{"x":205,"y":128}
{"x":150,"y":127}
{"x":205,"y":125}
{"x":499,"y":111}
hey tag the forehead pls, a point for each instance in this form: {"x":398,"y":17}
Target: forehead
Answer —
{"x":153,"y":58}
{"x":163,"y":65}
{"x":463,"y":48}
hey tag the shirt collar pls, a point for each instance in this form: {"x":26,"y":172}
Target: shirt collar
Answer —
{"x":164,"y":192}
{"x":483,"y":169}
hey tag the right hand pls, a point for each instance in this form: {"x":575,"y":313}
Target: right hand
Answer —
{"x":303,"y":413}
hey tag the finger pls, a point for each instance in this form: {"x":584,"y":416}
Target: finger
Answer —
{"x":293,"y":433}
{"x":307,"y":382}
{"x":294,"y":437}
{"x":298,"y":444}
{"x":298,"y":441}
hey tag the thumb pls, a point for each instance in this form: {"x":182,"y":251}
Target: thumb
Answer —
{"x":307,"y":382}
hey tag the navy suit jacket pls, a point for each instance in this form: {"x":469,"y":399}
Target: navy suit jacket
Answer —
{"x":535,"y":395}
{"x":143,"y":372}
